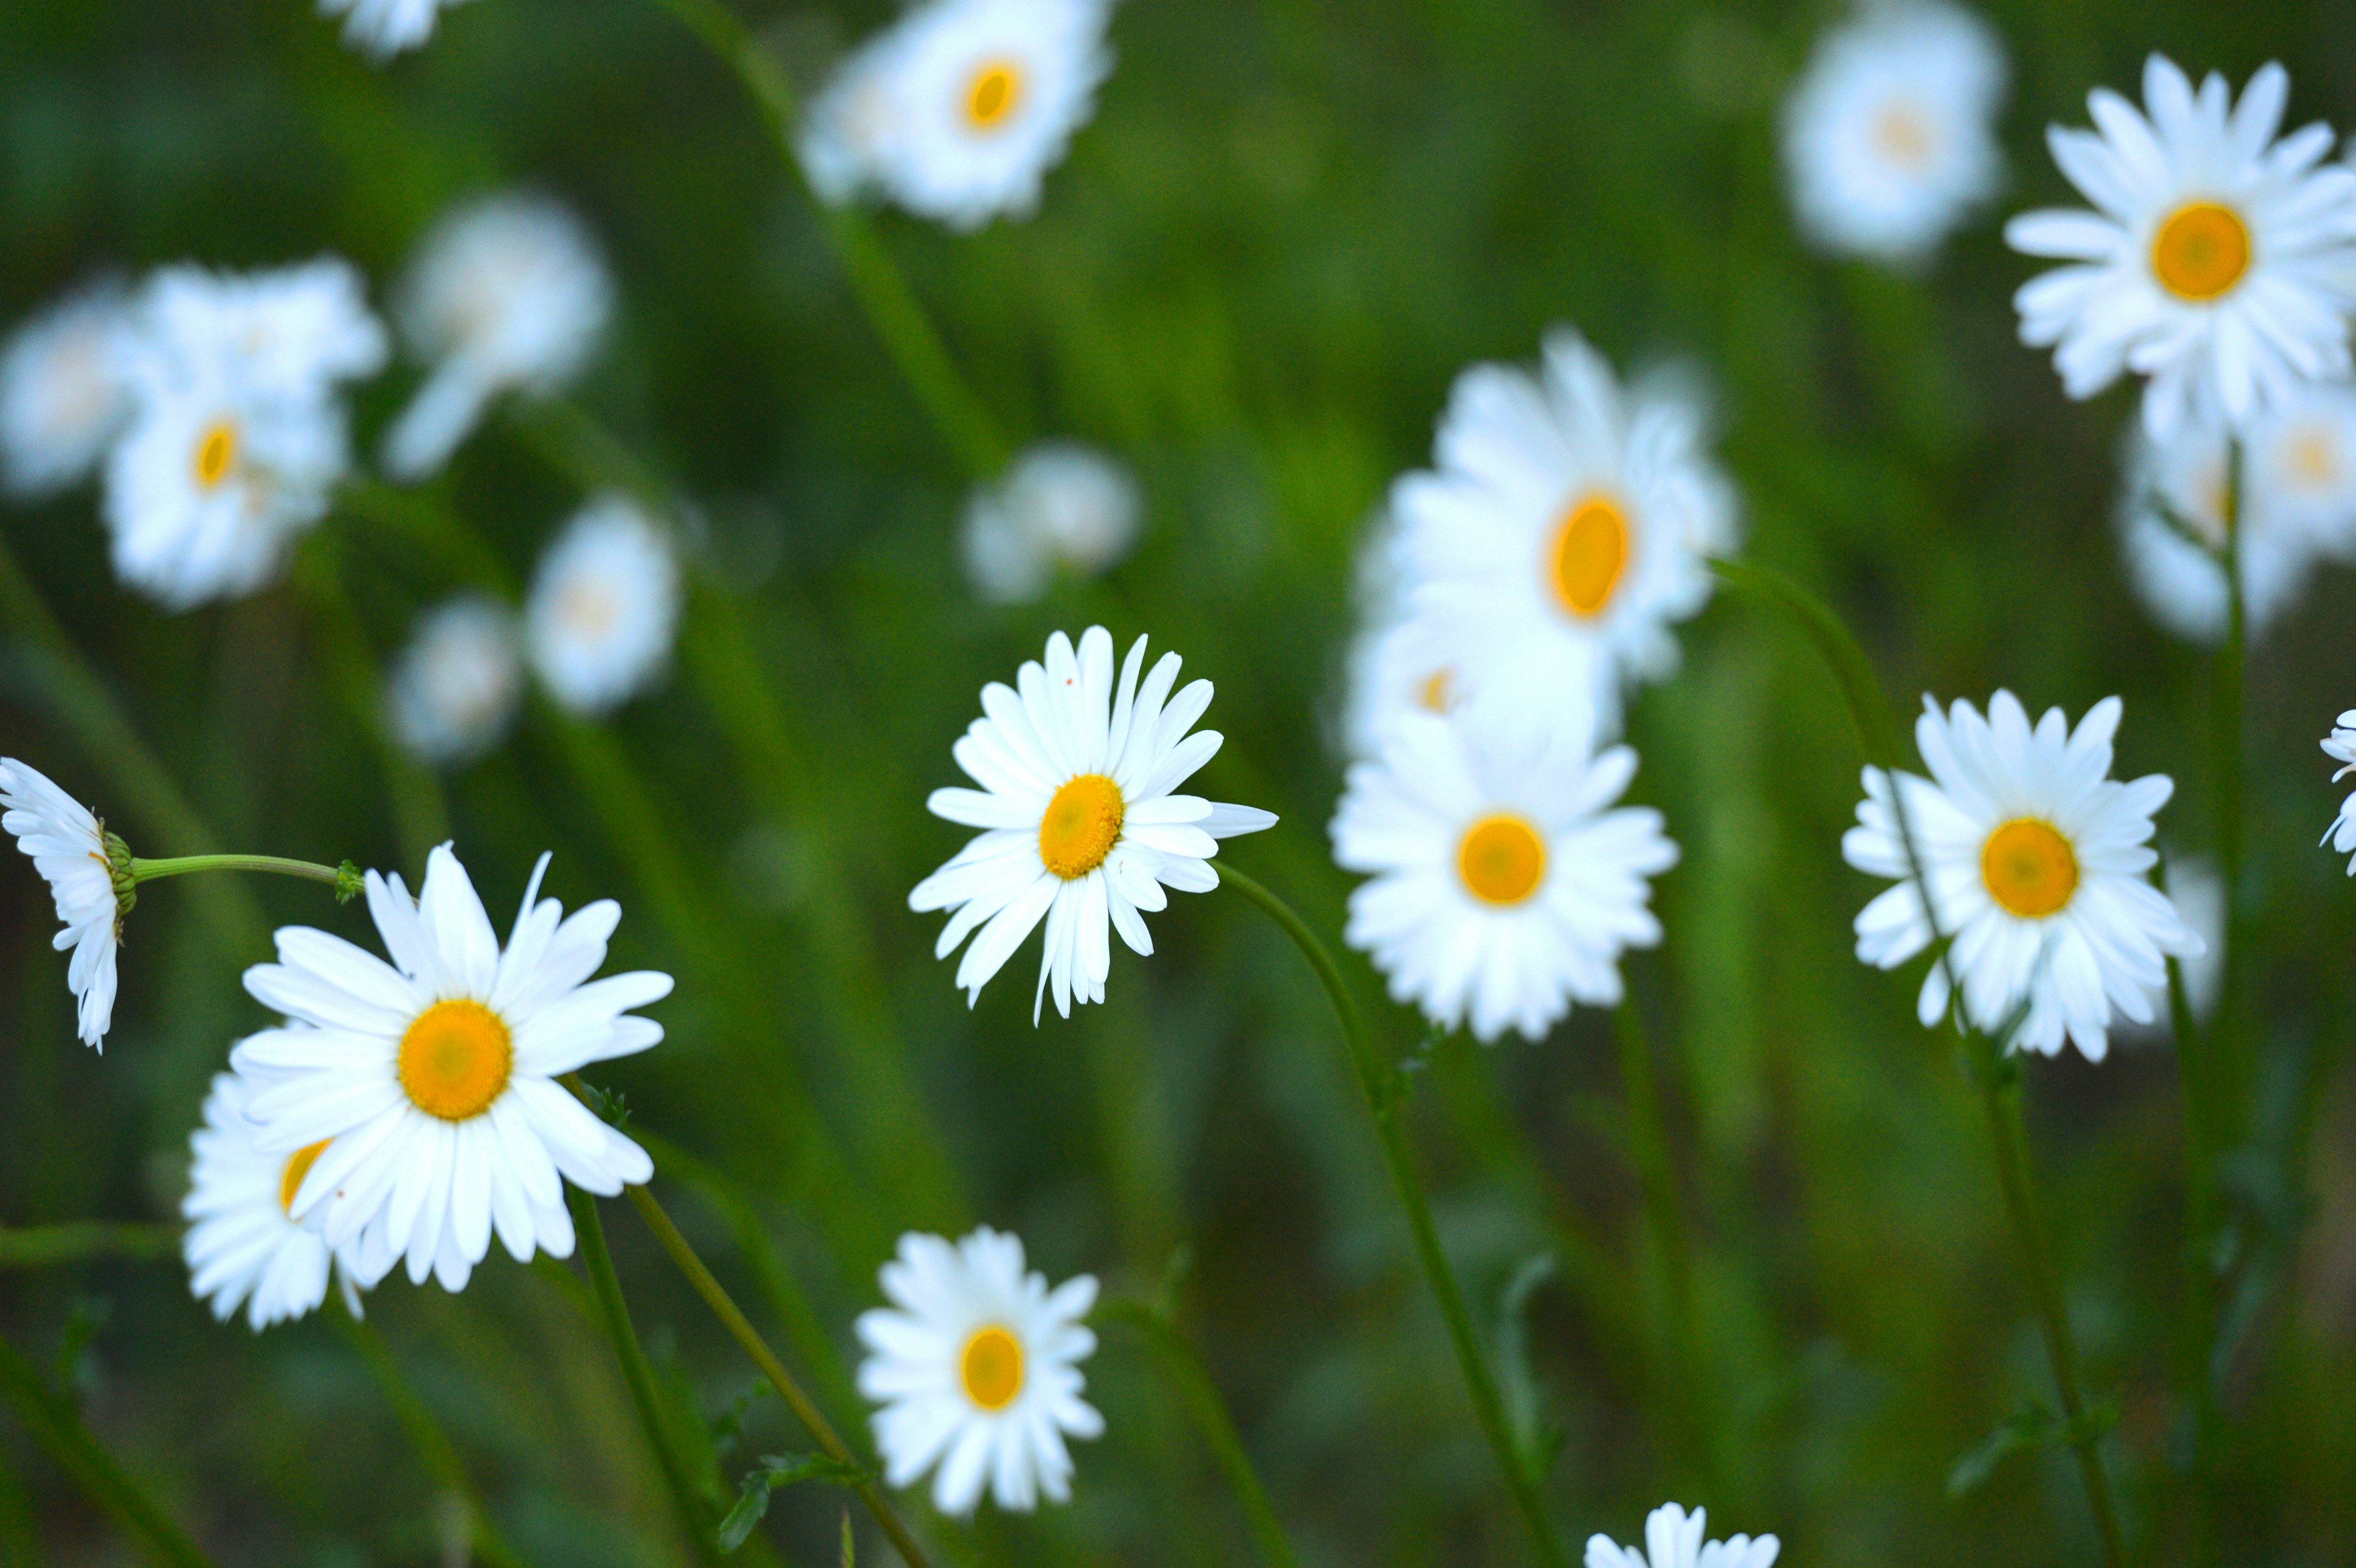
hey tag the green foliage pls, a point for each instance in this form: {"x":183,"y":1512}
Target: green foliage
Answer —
{"x":783,"y":1471}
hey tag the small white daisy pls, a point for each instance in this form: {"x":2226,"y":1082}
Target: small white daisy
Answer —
{"x":383,"y":29}
{"x":64,"y":393}
{"x":1061,"y":507}
{"x":435,"y":1075}
{"x":507,"y":294}
{"x":2218,"y":263}
{"x":1567,"y":527}
{"x":2172,"y":529}
{"x":843,"y":135}
{"x":1504,"y":889}
{"x":1889,"y":140}
{"x":453,"y":692}
{"x":243,"y":1248}
{"x":2037,"y":859}
{"x":1672,"y":1539}
{"x":976,"y":1365}
{"x":2339,"y":746}
{"x":604,"y":606}
{"x":1081,"y":829}
{"x":2299,"y":467}
{"x":293,"y":333}
{"x":69,"y":848}
{"x":1404,"y":667}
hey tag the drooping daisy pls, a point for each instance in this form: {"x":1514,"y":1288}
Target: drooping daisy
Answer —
{"x":243,"y":1248}
{"x":1567,"y":527}
{"x":63,"y":393}
{"x":1504,"y":889}
{"x":453,"y":692}
{"x":435,"y":1075}
{"x":1889,"y":140}
{"x":2218,"y":263}
{"x":1062,"y":507}
{"x":1672,"y":1539}
{"x":383,"y":29}
{"x":976,"y":1365}
{"x":1081,"y":829}
{"x":2339,"y":746}
{"x":2172,"y":529}
{"x":604,"y":606}
{"x":2036,"y":859}
{"x":507,"y":294}
{"x":69,"y":849}
{"x":1406,"y":666}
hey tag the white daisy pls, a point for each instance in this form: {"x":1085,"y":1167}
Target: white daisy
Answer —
{"x":435,"y":1075}
{"x":2299,"y":467}
{"x":2339,"y":746}
{"x":2037,"y":860}
{"x":242,"y":1246}
{"x":289,"y":333}
{"x":976,"y":1365}
{"x":1502,"y":887}
{"x":604,"y":606}
{"x":453,"y":692}
{"x":383,"y":29}
{"x":1061,"y":507}
{"x":1406,"y":666}
{"x":64,"y":393}
{"x":1081,"y":828}
{"x":2172,"y":529}
{"x":1889,"y":140}
{"x":2219,"y":262}
{"x":1672,"y":1539}
{"x":1567,"y":527}
{"x":69,"y":849}
{"x":841,"y":141}
{"x":507,"y":294}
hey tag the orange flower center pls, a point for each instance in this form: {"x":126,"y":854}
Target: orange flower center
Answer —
{"x":992,"y":1368}
{"x":2030,"y":867}
{"x":993,"y":95}
{"x":1501,"y":859}
{"x":2201,"y":252}
{"x":455,"y":1059}
{"x":216,"y":453}
{"x":1591,"y":555}
{"x":1081,"y":826}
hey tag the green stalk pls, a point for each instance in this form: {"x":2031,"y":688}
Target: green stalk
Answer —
{"x":185,"y":865}
{"x":82,"y":1241}
{"x":1685,"y":1378}
{"x":20,"y":1544}
{"x":1385,"y":1090}
{"x":53,"y":1424}
{"x":2230,"y":1040}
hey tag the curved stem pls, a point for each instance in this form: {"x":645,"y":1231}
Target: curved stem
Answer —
{"x":1648,"y":1130}
{"x":1385,"y":1088}
{"x":81,"y":1241}
{"x":53,"y":1424}
{"x":184,"y":865}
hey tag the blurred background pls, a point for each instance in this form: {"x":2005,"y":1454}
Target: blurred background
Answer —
{"x":1290,"y":225}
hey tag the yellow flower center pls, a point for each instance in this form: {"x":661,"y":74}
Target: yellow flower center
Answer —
{"x":1436,"y":693}
{"x":1591,"y":555}
{"x":590,"y":608}
{"x":1903,"y":135}
{"x":993,"y":95}
{"x":216,"y":453}
{"x":992,"y":1368}
{"x":2201,"y":252}
{"x":455,"y":1059}
{"x":297,"y":1170}
{"x":1082,"y":824}
{"x":1502,"y":859}
{"x":2030,"y":867}
{"x":2313,"y":459}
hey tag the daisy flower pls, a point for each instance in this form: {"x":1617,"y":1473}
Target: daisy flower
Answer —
{"x":1502,"y":887}
{"x":1061,"y":507}
{"x":976,"y":1365}
{"x":507,"y":294}
{"x":2037,"y":860}
{"x":2339,"y":746}
{"x":2298,"y":467}
{"x":383,"y":29}
{"x":64,"y":393}
{"x":841,"y":141}
{"x":1889,"y":140}
{"x":1406,"y":666}
{"x":242,"y":1247}
{"x":1567,"y":526}
{"x":2172,"y":531}
{"x":1672,"y":1539}
{"x":1081,"y":829}
{"x":604,"y":606}
{"x":435,"y":1075}
{"x":69,"y":848}
{"x":2218,"y":263}
{"x":453,"y":692}
{"x":289,"y":333}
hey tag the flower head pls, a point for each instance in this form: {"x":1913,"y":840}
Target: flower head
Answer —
{"x":69,"y":849}
{"x":243,"y":1247}
{"x":2339,"y":746}
{"x":383,"y":29}
{"x":1672,"y":1539}
{"x":604,"y":606}
{"x":64,"y":394}
{"x":453,"y":692}
{"x":1061,"y":507}
{"x":1400,"y":666}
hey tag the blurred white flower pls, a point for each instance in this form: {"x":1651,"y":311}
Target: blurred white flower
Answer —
{"x":604,"y":607}
{"x":242,"y":1247}
{"x":2339,"y":746}
{"x":289,"y":334}
{"x":383,"y":29}
{"x":1080,"y":828}
{"x":1505,"y":888}
{"x":507,"y":294}
{"x":453,"y":692}
{"x":1060,"y":507}
{"x":2037,"y":859}
{"x":1672,"y":1539}
{"x":2299,"y":467}
{"x":1404,"y":667}
{"x":2172,"y":529}
{"x":1889,"y":140}
{"x":64,"y":393}
{"x":69,"y":848}
{"x":2198,"y":892}
{"x":849,"y":125}
{"x":2221,"y":262}
{"x":976,"y":1365}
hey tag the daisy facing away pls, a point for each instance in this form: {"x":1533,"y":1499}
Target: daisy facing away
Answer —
{"x":2036,"y":859}
{"x":976,"y":1364}
{"x":1080,"y":827}
{"x":435,"y":1075}
{"x":1672,"y":1539}
{"x":243,"y":1247}
{"x":69,"y":848}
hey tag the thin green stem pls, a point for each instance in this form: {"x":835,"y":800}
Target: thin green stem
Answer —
{"x":1385,"y":1090}
{"x":186,"y":865}
{"x":1684,"y":1374}
{"x":2230,"y":1037}
{"x":83,"y":1241}
{"x":20,"y":1544}
{"x":53,"y":1424}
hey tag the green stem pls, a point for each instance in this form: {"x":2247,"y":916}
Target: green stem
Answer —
{"x":81,"y":1241}
{"x":2225,"y":712}
{"x":1685,"y":1376}
{"x":184,"y":865}
{"x":1385,"y":1088}
{"x":53,"y":1424}
{"x":20,"y":1545}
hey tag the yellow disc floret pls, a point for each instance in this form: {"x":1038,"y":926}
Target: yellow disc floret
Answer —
{"x":297,"y":1168}
{"x":993,"y":95}
{"x":2030,"y":867}
{"x":1501,"y":859}
{"x":455,"y":1059}
{"x":1436,"y":693}
{"x":1589,"y":556}
{"x":216,"y":453}
{"x":1081,"y":826}
{"x":990,"y":1368}
{"x":2201,"y":252}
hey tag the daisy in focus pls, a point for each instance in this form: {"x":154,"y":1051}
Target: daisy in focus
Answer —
{"x":242,"y":1247}
{"x":1567,"y":527}
{"x":1080,"y":828}
{"x":1889,"y":141}
{"x":1061,"y":507}
{"x":2339,"y":746}
{"x":1672,"y":1539}
{"x":976,"y":1364}
{"x":64,"y":393}
{"x":1503,"y":885}
{"x":2218,"y":262}
{"x":454,"y":689}
{"x":2036,"y":859}
{"x":383,"y":29}
{"x":69,"y":848}
{"x":507,"y":294}
{"x":435,"y":1075}
{"x":604,"y":607}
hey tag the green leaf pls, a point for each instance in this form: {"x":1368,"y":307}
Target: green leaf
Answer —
{"x":778,"y":1471}
{"x":2031,"y":1428}
{"x":1538,"y":1436}
{"x":850,"y":1550}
